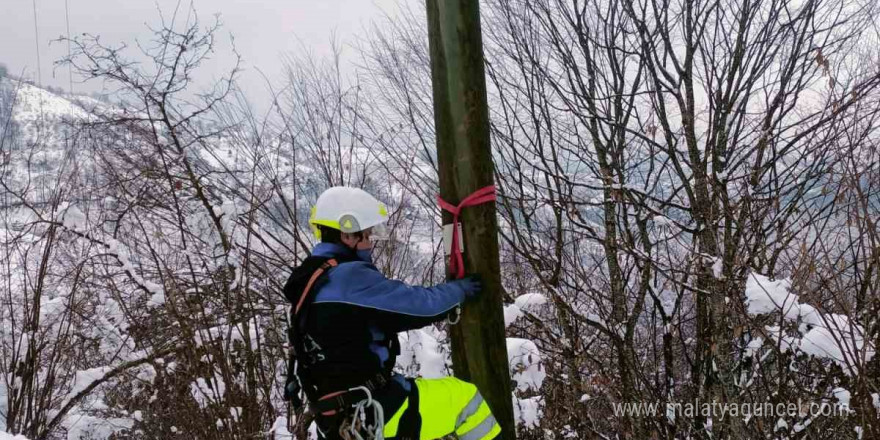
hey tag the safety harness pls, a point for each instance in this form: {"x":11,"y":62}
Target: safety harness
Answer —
{"x":300,"y":354}
{"x":356,"y":412}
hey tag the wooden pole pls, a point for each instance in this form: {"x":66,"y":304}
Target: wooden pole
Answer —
{"x":464,"y":153}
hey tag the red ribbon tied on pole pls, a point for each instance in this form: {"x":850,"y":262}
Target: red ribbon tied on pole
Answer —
{"x":478,"y":197}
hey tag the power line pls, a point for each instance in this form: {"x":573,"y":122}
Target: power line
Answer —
{"x":39,"y":72}
{"x":69,"y":64}
{"x":37,"y":41}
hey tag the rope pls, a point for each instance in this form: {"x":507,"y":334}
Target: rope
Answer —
{"x":478,"y":197}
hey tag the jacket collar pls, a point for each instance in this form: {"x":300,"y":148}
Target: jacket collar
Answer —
{"x":329,"y":250}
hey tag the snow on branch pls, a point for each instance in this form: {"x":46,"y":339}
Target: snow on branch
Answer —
{"x":824,"y":335}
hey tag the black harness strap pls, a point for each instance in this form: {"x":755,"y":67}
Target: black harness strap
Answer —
{"x":292,"y":388}
{"x":340,"y":401}
{"x":411,"y":421}
{"x":308,"y":289}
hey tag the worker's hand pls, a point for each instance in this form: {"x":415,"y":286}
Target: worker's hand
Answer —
{"x":472,"y":284}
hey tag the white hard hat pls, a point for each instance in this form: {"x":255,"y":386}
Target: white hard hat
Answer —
{"x":349,"y":210}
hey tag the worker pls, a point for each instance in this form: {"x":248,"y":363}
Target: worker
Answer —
{"x":344,"y":321}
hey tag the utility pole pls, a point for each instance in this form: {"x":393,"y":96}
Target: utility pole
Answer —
{"x":464,"y":153}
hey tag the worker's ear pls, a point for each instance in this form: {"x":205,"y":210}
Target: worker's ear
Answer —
{"x":350,"y":239}
{"x":345,"y":237}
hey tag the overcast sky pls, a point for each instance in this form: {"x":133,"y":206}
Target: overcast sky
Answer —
{"x":264,"y":31}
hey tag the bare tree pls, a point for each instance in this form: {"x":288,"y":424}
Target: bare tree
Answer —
{"x":651,"y":156}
